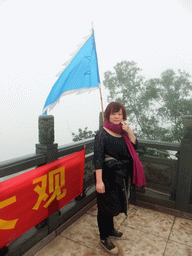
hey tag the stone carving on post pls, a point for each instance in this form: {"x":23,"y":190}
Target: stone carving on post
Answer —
{"x":46,"y":138}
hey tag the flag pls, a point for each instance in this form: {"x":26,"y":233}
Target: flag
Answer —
{"x":80,"y":74}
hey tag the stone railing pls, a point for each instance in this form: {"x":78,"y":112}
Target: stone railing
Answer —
{"x":168,"y":180}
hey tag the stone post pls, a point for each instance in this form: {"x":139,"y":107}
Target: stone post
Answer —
{"x":185,"y":168}
{"x":46,"y":138}
{"x":50,"y":149}
{"x":100,"y":120}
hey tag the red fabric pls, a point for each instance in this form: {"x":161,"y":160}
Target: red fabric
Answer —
{"x":138,"y":172}
{"x":29,"y":198}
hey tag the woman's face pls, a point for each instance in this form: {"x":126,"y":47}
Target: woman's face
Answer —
{"x":116,"y":117}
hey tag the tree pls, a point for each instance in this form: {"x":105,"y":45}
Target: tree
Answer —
{"x":174,"y":99}
{"x":83,"y":134}
{"x":156,"y":106}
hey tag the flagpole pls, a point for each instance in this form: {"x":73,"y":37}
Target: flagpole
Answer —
{"x":100,"y":95}
{"x":101,"y":103}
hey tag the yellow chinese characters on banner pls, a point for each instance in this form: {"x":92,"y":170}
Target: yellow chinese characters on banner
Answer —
{"x":55,"y":180}
{"x":31,"y":197}
{"x":7,"y":224}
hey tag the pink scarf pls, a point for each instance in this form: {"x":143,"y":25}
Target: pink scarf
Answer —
{"x":138,"y":172}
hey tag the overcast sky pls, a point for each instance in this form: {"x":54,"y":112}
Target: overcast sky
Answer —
{"x":37,"y":37}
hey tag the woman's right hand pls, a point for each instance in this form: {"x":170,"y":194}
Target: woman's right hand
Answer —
{"x":100,"y":187}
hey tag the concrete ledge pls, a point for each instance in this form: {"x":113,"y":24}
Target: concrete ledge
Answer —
{"x":166,"y":210}
{"x":75,"y":217}
{"x":41,"y":244}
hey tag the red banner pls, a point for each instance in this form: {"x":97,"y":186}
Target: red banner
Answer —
{"x":29,"y":198}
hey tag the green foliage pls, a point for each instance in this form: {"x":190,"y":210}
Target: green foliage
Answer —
{"x":156,"y":106}
{"x":83,"y":134}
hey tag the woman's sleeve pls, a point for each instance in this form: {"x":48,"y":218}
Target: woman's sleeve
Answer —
{"x":136,"y":144}
{"x":99,"y":146}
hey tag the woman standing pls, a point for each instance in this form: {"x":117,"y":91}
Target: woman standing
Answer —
{"x":115,"y":161}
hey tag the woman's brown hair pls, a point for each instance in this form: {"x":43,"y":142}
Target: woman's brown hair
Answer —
{"x":114,"y":107}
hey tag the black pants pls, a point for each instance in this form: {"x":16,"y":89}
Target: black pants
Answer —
{"x":105,"y":224}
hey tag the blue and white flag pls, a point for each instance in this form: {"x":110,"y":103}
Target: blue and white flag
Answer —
{"x":80,"y":74}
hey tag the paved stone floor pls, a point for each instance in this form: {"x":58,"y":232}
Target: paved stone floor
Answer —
{"x":146,"y":233}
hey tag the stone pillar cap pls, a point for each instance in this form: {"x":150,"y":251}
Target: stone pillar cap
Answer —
{"x":46,"y":117}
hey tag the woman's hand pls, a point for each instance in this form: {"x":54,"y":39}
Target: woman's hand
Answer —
{"x":100,"y":187}
{"x":128,"y":130}
{"x":126,"y":127}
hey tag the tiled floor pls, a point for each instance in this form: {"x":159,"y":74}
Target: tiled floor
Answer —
{"x":146,"y":233}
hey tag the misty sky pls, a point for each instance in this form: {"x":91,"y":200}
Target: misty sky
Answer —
{"x":38,"y":36}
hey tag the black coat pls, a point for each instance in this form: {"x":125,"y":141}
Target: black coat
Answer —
{"x":115,"y":198}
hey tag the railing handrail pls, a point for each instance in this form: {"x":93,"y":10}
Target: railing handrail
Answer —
{"x":18,"y":164}
{"x":160,"y":144}
{"x":15,"y":165}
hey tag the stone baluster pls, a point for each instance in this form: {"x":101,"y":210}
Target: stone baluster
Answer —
{"x":183,"y":190}
{"x":50,"y":149}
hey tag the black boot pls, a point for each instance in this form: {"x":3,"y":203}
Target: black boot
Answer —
{"x":132,"y":193}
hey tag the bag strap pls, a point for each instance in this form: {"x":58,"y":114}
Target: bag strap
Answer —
{"x":108,"y":158}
